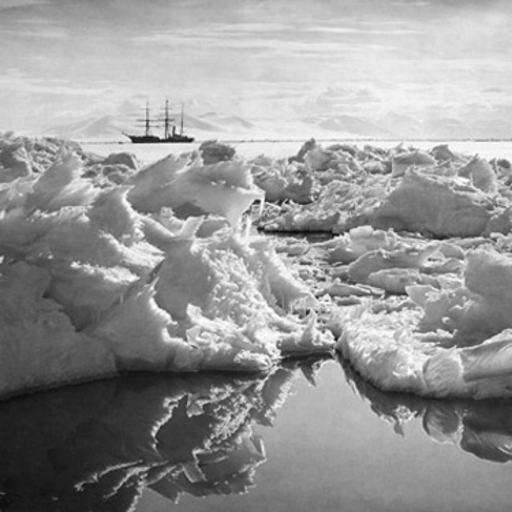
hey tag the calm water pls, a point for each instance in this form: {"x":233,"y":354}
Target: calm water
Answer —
{"x":213,"y":442}
{"x":148,"y":153}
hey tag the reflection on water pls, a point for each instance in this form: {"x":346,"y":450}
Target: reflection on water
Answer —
{"x":97,"y":446}
{"x":482,"y":428}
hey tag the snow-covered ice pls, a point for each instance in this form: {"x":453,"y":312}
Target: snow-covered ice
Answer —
{"x":99,"y":277}
{"x":450,"y":334}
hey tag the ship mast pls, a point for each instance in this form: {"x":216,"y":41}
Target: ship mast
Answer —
{"x":181,"y":123}
{"x":166,"y":120}
{"x":147,"y":118}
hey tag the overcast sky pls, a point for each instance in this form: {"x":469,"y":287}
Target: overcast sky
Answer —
{"x":68,"y":59}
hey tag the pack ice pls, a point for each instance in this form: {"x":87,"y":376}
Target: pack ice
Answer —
{"x":417,"y":281}
{"x":106,"y":268}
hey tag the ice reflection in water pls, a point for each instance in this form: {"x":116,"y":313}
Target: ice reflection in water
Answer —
{"x":482,"y":428}
{"x":97,"y":446}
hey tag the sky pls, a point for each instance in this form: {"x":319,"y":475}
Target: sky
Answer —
{"x":66,"y":60}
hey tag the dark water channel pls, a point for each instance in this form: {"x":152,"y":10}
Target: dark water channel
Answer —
{"x":221,"y":442}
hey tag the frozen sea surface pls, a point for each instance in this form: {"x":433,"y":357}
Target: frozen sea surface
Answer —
{"x":148,"y":153}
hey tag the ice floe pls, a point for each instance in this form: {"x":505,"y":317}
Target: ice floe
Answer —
{"x":481,"y":428}
{"x":98,"y":277}
{"x":455,"y":339}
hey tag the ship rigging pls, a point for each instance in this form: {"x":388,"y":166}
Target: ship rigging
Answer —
{"x":171,"y":135}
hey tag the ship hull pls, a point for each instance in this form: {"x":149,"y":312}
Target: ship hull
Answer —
{"x":153,"y":139}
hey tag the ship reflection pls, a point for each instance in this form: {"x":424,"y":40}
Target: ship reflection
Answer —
{"x":97,"y":446}
{"x":482,"y":428}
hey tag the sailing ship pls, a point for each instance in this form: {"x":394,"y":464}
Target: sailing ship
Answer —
{"x":170,"y":133}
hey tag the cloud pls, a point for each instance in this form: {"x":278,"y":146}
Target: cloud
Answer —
{"x":412,"y":3}
{"x":207,"y":41}
{"x":14,"y":80}
{"x":376,"y":29}
{"x":39,"y":33}
{"x":244,"y":28}
{"x":354,"y":54}
{"x":491,"y":90}
{"x":335,"y":100}
{"x":276,"y":42}
{"x":11,"y":4}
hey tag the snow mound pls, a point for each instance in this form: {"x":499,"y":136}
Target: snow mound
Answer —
{"x":190,"y":188}
{"x":401,"y":162}
{"x":433,"y":205}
